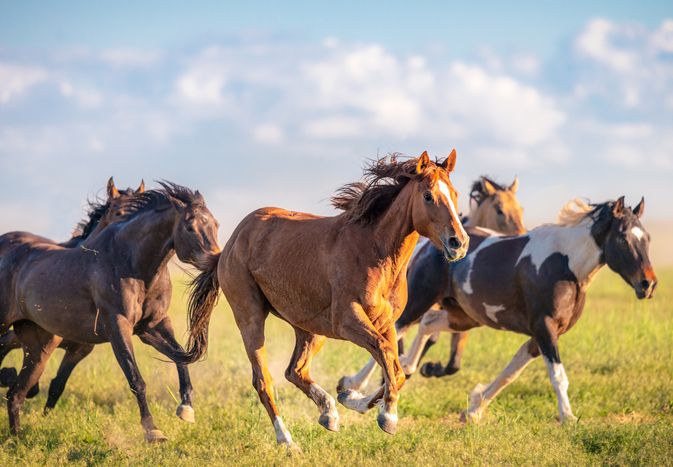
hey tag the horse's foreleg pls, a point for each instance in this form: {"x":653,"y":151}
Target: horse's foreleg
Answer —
{"x":162,"y":337}
{"x":119,"y":332}
{"x":306,"y":346}
{"x":74,"y":354}
{"x":383,"y":348}
{"x":547,"y":341}
{"x":482,"y":395}
{"x":38,"y":346}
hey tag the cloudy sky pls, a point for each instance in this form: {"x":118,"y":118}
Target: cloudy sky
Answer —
{"x":279,"y":103}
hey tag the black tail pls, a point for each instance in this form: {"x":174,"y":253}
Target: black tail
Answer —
{"x":204,"y":292}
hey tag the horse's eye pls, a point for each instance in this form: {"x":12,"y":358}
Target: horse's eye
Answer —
{"x":427,"y":196}
{"x":190,"y":228}
{"x":499,"y":211}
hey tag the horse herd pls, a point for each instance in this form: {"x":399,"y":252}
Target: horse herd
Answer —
{"x":361,"y":276}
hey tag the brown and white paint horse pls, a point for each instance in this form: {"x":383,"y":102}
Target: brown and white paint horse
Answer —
{"x":536,"y":284}
{"x":342,"y":277}
{"x":492,"y":206}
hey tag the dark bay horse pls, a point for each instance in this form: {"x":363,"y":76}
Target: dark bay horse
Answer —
{"x":536,"y":284}
{"x":99,"y":292}
{"x":99,"y":215}
{"x":342,"y":277}
{"x":155,"y":309}
{"x":492,"y":206}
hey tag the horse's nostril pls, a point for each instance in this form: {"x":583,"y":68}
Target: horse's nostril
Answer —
{"x":645,"y":284}
{"x":454,"y":243}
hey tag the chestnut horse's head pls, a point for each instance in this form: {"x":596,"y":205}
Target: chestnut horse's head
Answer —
{"x":496,"y":207}
{"x":434,"y":212}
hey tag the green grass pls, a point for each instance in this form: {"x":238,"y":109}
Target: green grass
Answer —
{"x":618,"y":359}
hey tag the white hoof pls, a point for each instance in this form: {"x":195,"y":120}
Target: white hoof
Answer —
{"x":470,"y":417}
{"x":186,"y":413}
{"x":353,"y":400}
{"x":329,"y":421}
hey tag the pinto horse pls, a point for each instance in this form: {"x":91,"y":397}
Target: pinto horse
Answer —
{"x":536,"y":284}
{"x":342,"y":277}
{"x":99,"y":293}
{"x":492,"y":206}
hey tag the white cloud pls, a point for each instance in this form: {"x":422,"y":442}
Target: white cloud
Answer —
{"x":596,"y":42}
{"x":17,"y":79}
{"x":268,"y":133}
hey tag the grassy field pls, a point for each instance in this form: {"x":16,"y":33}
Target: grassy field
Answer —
{"x":618,"y":359}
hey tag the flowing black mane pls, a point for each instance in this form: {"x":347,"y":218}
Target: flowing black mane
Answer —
{"x":383,"y":179}
{"x":95,"y":213}
{"x":168,"y":194}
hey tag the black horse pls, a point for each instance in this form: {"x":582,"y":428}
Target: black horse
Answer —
{"x":102,"y":291}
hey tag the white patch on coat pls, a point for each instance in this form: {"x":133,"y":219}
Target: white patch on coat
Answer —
{"x":637,"y":232}
{"x":489,"y":232}
{"x":469,"y":260}
{"x":444,"y":189}
{"x":282,"y":435}
{"x":491,"y":310}
{"x":575,"y":242}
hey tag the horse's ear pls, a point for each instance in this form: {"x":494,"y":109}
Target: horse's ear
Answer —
{"x":423,"y":162}
{"x":141,"y":187}
{"x":618,"y":207}
{"x":489,"y":189}
{"x":514,"y":187}
{"x":639,"y":210}
{"x":199,"y":197}
{"x":450,"y":162}
{"x":112,"y":191}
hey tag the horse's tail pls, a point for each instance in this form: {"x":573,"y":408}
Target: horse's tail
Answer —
{"x":204,"y":292}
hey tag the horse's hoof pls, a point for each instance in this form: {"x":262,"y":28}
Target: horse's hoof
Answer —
{"x":155,"y":436}
{"x":34,"y":391}
{"x":292,"y":448}
{"x":468,"y":417}
{"x":387,"y":422}
{"x":569,"y":419}
{"x":344,"y":384}
{"x":329,"y":422}
{"x":8,"y":377}
{"x":353,"y":400}
{"x":186,"y":413}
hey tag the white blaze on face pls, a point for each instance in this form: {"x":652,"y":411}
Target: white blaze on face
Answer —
{"x":637,"y":232}
{"x":444,"y":189}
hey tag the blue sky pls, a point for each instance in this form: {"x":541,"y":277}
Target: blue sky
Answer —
{"x":262,"y":103}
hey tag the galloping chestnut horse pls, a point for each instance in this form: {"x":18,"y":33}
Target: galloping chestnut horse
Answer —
{"x":97,"y":293}
{"x":536,"y":284}
{"x":492,"y":206}
{"x":342,"y":277}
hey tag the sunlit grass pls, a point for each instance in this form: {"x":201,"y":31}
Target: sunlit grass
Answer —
{"x":618,"y":359}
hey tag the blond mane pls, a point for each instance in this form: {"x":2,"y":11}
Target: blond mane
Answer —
{"x":574,"y":212}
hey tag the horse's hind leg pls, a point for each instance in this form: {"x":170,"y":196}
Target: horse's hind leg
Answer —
{"x":8,"y":342}
{"x":74,"y":354}
{"x":162,"y":337}
{"x":306,"y":346}
{"x":436,"y":369}
{"x":38,"y":346}
{"x":120,"y":333}
{"x":482,"y":395}
{"x":433,"y":321}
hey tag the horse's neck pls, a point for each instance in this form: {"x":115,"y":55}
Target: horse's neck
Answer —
{"x":394,"y":232}
{"x":477,"y":217}
{"x":576,"y":242}
{"x":149,"y":240}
